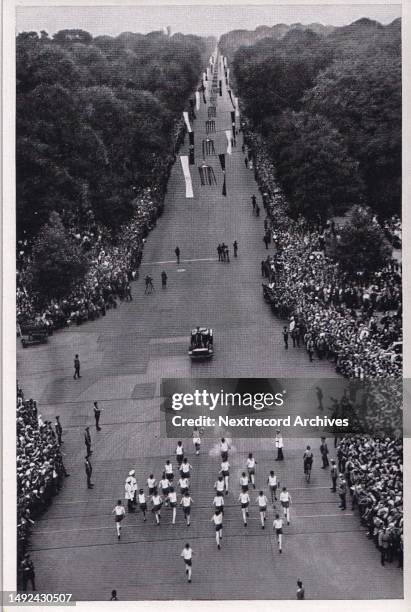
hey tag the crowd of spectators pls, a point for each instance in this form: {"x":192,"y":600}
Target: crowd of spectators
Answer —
{"x":357,"y":322}
{"x":113,"y":260}
{"x":40,"y":467}
{"x":373,"y":469}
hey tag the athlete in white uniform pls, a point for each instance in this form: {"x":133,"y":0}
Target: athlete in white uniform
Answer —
{"x":219,"y":485}
{"x":285,"y":499}
{"x":196,"y":441}
{"x":151,"y":483}
{"x":251,"y":463}
{"x":168,"y":468}
{"x":172,"y":498}
{"x":179,"y":453}
{"x":164,"y":485}
{"x":244,"y":500}
{"x":184,"y":485}
{"x":262,"y":506}
{"x":225,"y":472}
{"x":142,"y":503}
{"x":244,"y":482}
{"x":120,"y":513}
{"x":272,"y":484}
{"x":187,"y":555}
{"x":278,"y":526}
{"x":224,"y":448}
{"x":185,"y":468}
{"x":186,"y":502}
{"x":157,"y":502}
{"x":218,"y":501}
{"x":217,"y":519}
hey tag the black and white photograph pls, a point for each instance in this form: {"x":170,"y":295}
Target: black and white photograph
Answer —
{"x":205,"y":309}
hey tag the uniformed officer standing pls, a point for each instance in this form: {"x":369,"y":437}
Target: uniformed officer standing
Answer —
{"x":27,"y":572}
{"x":76,"y":367}
{"x":279,"y":444}
{"x":59,"y":430}
{"x":300,"y":593}
{"x":333,"y":474}
{"x":324,"y":453}
{"x":89,"y":471}
{"x":87,"y":441}
{"x":97,"y":413}
{"x":342,"y":492}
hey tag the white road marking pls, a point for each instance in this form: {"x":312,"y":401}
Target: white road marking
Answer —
{"x":170,"y":261}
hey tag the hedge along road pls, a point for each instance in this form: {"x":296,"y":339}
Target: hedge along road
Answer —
{"x":123,"y":358}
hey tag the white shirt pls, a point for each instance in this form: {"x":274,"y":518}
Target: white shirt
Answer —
{"x":172,"y":496}
{"x":141,"y":498}
{"x":224,"y":447}
{"x":185,"y":468}
{"x":278,"y":523}
{"x":279,"y":442}
{"x":187,"y":553}
{"x":251,"y":462}
{"x":244,"y":498}
{"x":151,"y":483}
{"x":218,"y":519}
{"x":285,"y":496}
{"x":218,"y":501}
{"x":168,"y":468}
{"x":183,"y":482}
{"x":243,"y":480}
{"x":272,"y":480}
{"x":262,"y":501}
{"x":219,"y":485}
{"x":186,"y":501}
{"x":179,"y":450}
{"x":156,"y":499}
{"x":119,"y":510}
{"x":225,"y":466}
{"x":164,"y":483}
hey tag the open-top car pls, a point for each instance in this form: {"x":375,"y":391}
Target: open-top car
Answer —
{"x":201,"y":343}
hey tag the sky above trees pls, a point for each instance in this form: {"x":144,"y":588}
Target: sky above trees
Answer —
{"x":202,"y":20}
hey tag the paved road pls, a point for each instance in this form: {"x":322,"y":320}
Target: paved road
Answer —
{"x":123,"y":357}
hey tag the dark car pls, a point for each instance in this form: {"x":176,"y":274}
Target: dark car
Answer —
{"x":201,"y":343}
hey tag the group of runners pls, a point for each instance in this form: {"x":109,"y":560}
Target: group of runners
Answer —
{"x":166,"y":493}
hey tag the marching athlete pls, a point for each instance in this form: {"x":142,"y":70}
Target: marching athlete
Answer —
{"x":185,"y":469}
{"x":219,"y":485}
{"x":120,"y":513}
{"x":186,"y":502}
{"x":285,"y":499}
{"x":172,"y":498}
{"x":262,"y":506}
{"x":151,"y":483}
{"x":196,"y":441}
{"x":278,"y":526}
{"x":142,"y":503}
{"x":168,"y":468}
{"x":225,"y":472}
{"x":251,"y":463}
{"x":187,"y":555}
{"x":184,"y":485}
{"x":218,"y":501}
{"x":157,"y":502}
{"x":164,"y":485}
{"x":217,"y":519}
{"x":272,"y":484}
{"x":244,"y":482}
{"x":179,"y":453}
{"x":244,"y":500}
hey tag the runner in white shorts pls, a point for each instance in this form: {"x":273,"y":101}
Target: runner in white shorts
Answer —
{"x":184,"y":485}
{"x":285,"y":499}
{"x":244,"y":500}
{"x":251,"y":463}
{"x":262,"y":506}
{"x":168,"y":468}
{"x":217,"y":519}
{"x":157,"y":503}
{"x":278,"y":526}
{"x":151,"y":484}
{"x":186,"y":502}
{"x":225,"y":473}
{"x":219,"y":485}
{"x":187,"y":555}
{"x":272,"y":484}
{"x":120,"y":513}
{"x":185,"y":469}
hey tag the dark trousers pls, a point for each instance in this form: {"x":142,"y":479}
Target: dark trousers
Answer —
{"x":88,"y":447}
{"x":97,"y":419}
{"x":343,"y":504}
{"x":88,"y":479}
{"x":384,"y":555}
{"x":26,"y":578}
{"x":280,"y":456}
{"x":334,"y":481}
{"x":77,"y":372}
{"x":326,"y":463}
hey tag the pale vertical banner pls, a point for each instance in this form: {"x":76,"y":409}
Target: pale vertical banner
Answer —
{"x":197,"y":102}
{"x":187,"y":120}
{"x":229,"y":138}
{"x":187,"y":176}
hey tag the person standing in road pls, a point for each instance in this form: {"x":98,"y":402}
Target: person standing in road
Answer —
{"x":87,"y":441}
{"x":324,"y":453}
{"x":320,"y":396}
{"x":177,"y":252}
{"x":97,"y":414}
{"x":333,"y":474}
{"x":244,"y":500}
{"x":300,"y":593}
{"x":279,"y":444}
{"x":76,"y":367}
{"x":164,"y":279}
{"x":266,"y":241}
{"x":27,"y":572}
{"x":285,"y":500}
{"x":254,"y":202}
{"x":262,"y":506}
{"x":278,"y":527}
{"x":187,"y":555}
{"x":59,"y":430}
{"x":149,"y":284}
{"x":342,"y":492}
{"x":235,"y":247}
{"x":285,"y":336}
{"x":217,"y":519}
{"x":114,"y":595}
{"x":120,"y":513}
{"x":89,"y":471}
{"x":220,"y":253}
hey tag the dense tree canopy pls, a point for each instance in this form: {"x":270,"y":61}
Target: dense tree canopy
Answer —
{"x":95,"y":118}
{"x":346,"y":86}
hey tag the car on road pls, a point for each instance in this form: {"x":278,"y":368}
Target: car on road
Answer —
{"x":201,"y":343}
